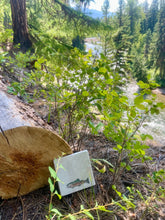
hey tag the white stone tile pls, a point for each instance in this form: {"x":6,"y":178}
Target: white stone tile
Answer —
{"x":76,"y":173}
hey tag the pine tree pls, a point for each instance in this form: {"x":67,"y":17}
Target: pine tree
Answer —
{"x":144,"y":25}
{"x":120,"y":13}
{"x":160,"y":64}
{"x":106,"y":35}
{"x":82,"y":4}
{"x":148,"y":39}
{"x":133,"y":13}
{"x":145,"y":6}
{"x":122,"y":40}
{"x":105,"y":9}
{"x":121,"y":52}
{"x":153,"y":15}
{"x":19,"y":23}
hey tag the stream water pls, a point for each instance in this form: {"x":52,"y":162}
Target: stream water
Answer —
{"x":155,"y":124}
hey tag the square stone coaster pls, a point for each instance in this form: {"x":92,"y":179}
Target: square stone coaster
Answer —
{"x":76,"y":173}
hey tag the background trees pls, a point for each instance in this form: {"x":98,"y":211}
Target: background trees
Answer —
{"x":133,"y":38}
{"x":48,"y":10}
{"x":82,"y":4}
{"x":160,"y":45}
{"x":120,"y":12}
{"x":153,"y":15}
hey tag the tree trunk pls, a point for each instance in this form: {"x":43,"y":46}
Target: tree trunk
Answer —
{"x":19,"y":23}
{"x":26,"y":149}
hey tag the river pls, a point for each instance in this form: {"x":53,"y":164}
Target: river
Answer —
{"x":94,"y":45}
{"x":155,"y":124}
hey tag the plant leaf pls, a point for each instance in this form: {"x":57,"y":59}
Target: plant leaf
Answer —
{"x":52,"y":173}
{"x":51,"y":185}
{"x":89,"y":215}
{"x":72,"y":217}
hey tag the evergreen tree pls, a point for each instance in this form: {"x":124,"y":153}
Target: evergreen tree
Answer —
{"x":66,"y":2}
{"x":144,"y":25}
{"x":134,"y":14}
{"x":153,"y":15}
{"x":82,"y":4}
{"x":106,"y":33}
{"x":122,"y":40}
{"x":148,"y":40}
{"x":120,"y":13}
{"x":105,"y":9}
{"x":19,"y":23}
{"x":162,"y":2}
{"x":56,"y":10}
{"x":121,"y":52}
{"x":160,"y":64}
{"x":139,"y":68}
{"x":145,"y":6}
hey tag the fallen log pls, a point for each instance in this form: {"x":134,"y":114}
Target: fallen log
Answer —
{"x":15,"y":113}
{"x":26,"y":148}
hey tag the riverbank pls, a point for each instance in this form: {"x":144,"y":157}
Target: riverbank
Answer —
{"x":92,"y":40}
{"x":160,"y":91}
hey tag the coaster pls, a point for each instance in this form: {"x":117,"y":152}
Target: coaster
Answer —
{"x":76,"y":173}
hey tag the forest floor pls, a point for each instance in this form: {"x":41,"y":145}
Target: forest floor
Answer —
{"x":34,"y":206}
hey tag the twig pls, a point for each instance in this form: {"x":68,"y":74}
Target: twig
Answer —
{"x":4,"y":135}
{"x":23,"y":210}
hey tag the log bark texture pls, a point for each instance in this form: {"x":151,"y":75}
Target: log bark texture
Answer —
{"x":19,"y":23}
{"x":27,"y":149}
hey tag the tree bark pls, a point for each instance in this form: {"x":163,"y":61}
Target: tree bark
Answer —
{"x":19,"y":23}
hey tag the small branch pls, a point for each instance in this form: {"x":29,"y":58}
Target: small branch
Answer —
{"x":4,"y":135}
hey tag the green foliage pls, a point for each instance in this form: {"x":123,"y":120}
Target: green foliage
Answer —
{"x":121,"y":58}
{"x":52,"y":181}
{"x":5,"y":25}
{"x":81,"y":5}
{"x":123,"y":122}
{"x":6,"y":36}
{"x":127,"y":201}
{"x":153,"y":15}
{"x":152,"y":186}
{"x":134,"y":14}
{"x":105,"y":10}
{"x":2,"y":57}
{"x":78,"y":42}
{"x":160,"y":64}
{"x":83,"y":88}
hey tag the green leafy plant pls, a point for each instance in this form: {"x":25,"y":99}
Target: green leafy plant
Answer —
{"x":151,"y":191}
{"x":6,"y":36}
{"x":53,"y":191}
{"x":128,"y":202}
{"x":123,"y":122}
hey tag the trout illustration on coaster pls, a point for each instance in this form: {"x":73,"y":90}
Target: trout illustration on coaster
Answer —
{"x":77,"y":182}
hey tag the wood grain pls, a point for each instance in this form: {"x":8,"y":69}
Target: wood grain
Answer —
{"x":25,"y":157}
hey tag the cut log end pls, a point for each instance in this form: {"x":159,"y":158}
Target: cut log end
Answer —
{"x":25,"y":155}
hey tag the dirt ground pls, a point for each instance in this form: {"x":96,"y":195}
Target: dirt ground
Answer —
{"x":34,"y":206}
